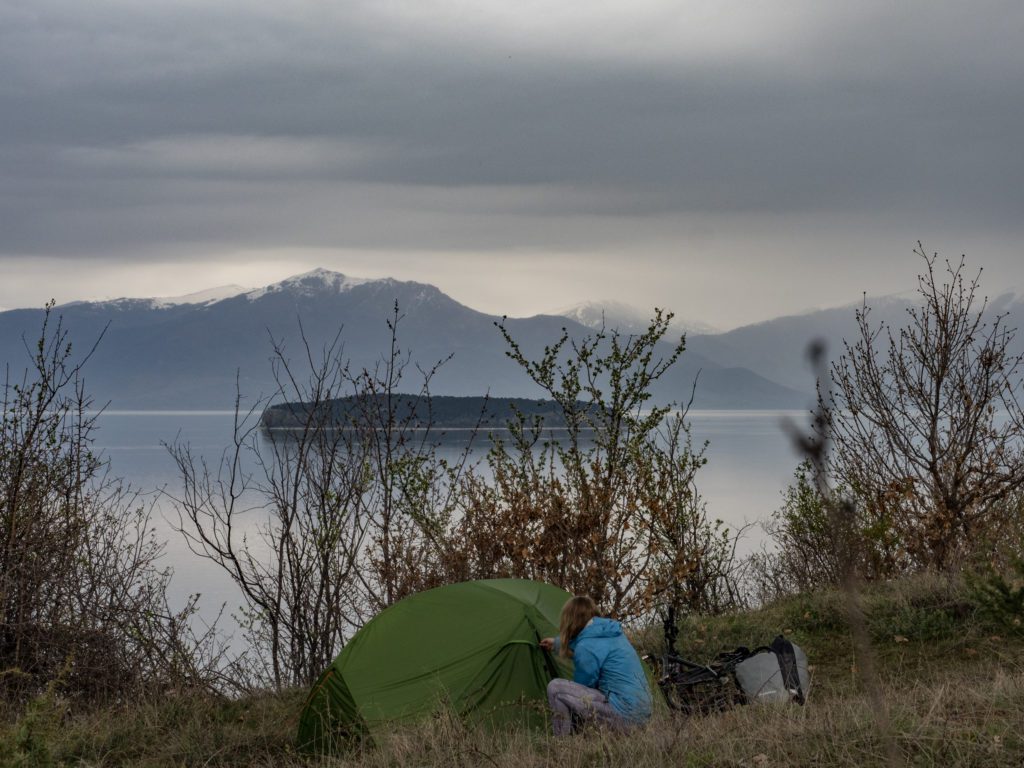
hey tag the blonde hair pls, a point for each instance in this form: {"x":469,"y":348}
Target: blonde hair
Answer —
{"x":576,"y":612}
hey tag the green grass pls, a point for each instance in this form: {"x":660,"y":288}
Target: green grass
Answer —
{"x":953,"y":686}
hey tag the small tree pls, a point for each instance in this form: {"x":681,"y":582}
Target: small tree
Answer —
{"x":927,"y":422}
{"x":608,"y":508}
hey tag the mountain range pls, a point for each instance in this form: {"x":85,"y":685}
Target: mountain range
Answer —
{"x":189,"y":352}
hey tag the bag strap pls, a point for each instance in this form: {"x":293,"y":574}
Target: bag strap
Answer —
{"x":783,"y":649}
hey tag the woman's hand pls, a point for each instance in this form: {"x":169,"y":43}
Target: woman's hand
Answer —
{"x":548,"y":643}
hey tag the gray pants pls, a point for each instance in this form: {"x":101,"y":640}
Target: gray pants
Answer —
{"x":571,"y":701}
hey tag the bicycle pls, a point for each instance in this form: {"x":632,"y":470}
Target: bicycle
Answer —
{"x":692,"y":688}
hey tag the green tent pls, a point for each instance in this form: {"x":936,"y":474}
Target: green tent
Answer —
{"x":471,"y":647}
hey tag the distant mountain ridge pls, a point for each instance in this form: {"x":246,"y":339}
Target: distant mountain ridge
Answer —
{"x":208,"y":296}
{"x":160,"y":353}
{"x":625,"y":318}
{"x":777,"y":348}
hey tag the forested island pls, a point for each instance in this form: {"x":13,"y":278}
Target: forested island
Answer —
{"x":418,"y":412}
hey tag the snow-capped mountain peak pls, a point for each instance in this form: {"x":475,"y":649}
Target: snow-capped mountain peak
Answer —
{"x":310,"y":283}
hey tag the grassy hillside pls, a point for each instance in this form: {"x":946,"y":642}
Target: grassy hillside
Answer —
{"x":953,"y":684}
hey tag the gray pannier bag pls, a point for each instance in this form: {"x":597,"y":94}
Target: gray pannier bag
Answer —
{"x":775,"y":673}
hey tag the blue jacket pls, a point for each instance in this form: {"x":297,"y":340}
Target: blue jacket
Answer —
{"x":604,"y":659}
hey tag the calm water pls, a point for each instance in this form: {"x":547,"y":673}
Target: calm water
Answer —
{"x":750,"y":462}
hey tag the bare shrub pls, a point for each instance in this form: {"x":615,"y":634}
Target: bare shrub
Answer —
{"x":82,"y":599}
{"x":928,"y":434}
{"x":608,"y":508}
{"x":928,"y":424}
{"x":322,"y":523}
{"x":414,"y":494}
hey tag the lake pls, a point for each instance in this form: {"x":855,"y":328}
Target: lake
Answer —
{"x":750,"y":463}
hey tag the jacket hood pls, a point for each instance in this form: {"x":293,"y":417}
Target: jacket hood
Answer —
{"x":599,"y":627}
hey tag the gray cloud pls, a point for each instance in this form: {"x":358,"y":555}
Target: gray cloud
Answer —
{"x":163,"y":131}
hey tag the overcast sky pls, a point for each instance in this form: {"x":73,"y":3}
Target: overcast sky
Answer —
{"x":729,"y":160}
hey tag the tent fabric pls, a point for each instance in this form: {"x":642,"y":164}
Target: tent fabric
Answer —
{"x":472,"y":647}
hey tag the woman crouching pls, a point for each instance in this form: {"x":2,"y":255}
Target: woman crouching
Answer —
{"x":609,"y":686}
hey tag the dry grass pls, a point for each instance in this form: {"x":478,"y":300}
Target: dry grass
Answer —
{"x":954,"y":688}
{"x":941,"y":725}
